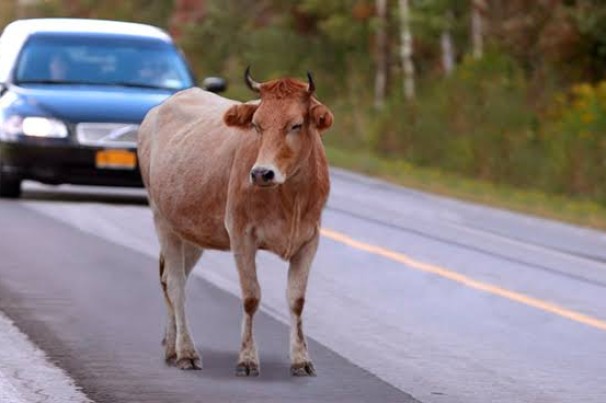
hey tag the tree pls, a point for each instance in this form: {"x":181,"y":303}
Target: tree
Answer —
{"x":478,"y":9}
{"x":447,"y":45}
{"x":406,"y":51}
{"x":381,"y":54}
{"x":155,"y":12}
{"x":590,"y":19}
{"x":442,"y":21}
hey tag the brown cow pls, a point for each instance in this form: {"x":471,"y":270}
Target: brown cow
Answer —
{"x":242,"y":176}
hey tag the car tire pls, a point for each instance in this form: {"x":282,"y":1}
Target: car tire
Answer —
{"x":10,"y":187}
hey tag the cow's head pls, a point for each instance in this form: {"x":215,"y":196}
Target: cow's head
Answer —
{"x":288,"y":120}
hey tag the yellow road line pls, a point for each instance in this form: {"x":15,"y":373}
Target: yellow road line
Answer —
{"x":466,"y":281}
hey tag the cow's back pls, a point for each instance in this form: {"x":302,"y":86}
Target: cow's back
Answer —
{"x":185,"y":156}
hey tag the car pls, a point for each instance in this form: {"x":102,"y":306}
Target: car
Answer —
{"x":73,"y":93}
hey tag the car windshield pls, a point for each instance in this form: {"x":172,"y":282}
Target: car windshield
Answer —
{"x":102,"y":60}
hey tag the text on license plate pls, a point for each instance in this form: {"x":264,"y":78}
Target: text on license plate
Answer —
{"x":116,"y":159}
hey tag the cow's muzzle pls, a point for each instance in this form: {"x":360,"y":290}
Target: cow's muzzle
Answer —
{"x":261,"y":176}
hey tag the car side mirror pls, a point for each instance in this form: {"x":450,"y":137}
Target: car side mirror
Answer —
{"x":214,"y":84}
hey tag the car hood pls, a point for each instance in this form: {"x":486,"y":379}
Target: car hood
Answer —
{"x":88,"y":103}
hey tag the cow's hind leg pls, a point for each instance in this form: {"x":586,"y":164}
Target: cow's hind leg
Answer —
{"x":177,"y":259}
{"x":298,"y":274}
{"x":248,"y":360}
{"x":171,"y":330}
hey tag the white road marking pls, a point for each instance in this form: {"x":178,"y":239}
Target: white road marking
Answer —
{"x":26,"y":374}
{"x":388,"y":341}
{"x":449,"y":274}
{"x":8,"y":393}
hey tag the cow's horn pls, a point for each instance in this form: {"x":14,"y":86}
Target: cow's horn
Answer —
{"x":311,"y":87}
{"x":252,"y":84}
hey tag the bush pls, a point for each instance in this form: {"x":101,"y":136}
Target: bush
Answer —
{"x":475,"y":122}
{"x":576,"y":140}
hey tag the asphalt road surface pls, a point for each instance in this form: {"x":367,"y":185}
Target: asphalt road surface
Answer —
{"x":412,"y":297}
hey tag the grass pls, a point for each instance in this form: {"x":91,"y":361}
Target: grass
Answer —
{"x":581,"y":212}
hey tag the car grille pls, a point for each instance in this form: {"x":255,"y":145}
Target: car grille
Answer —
{"x":107,"y":134}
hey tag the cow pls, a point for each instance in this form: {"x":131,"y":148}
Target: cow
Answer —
{"x":244,"y":177}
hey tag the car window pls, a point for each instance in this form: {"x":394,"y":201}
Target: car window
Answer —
{"x":102,"y":60}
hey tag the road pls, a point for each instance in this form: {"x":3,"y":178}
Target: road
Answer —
{"x":412,"y":297}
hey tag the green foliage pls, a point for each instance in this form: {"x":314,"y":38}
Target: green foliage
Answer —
{"x":577,"y":141}
{"x":492,"y":119}
{"x":227,"y":40}
{"x":475,"y":122}
{"x":590,"y":17}
{"x":431,"y":17}
{"x":154,"y":12}
{"x":207,"y":44}
{"x":335,"y":22}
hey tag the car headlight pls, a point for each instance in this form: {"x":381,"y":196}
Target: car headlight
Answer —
{"x":34,"y":126}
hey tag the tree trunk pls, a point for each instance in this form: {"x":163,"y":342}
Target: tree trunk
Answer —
{"x":381,"y":54}
{"x":447,"y":52}
{"x":478,"y":8}
{"x":406,"y":51}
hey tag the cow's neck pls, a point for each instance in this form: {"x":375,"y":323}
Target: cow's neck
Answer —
{"x":307,"y":189}
{"x":301,"y":199}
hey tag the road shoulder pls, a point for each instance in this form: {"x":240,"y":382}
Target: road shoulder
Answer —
{"x":26,"y":374}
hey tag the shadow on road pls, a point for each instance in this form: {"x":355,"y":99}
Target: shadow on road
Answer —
{"x":222,"y":365}
{"x":78,"y":194}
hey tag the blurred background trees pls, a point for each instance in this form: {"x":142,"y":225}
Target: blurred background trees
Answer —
{"x":507,"y":91}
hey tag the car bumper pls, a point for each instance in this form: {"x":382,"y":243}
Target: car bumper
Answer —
{"x":58,"y":164}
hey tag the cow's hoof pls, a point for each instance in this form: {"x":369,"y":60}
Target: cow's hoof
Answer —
{"x":170,"y":357}
{"x":170,"y":352}
{"x":303,"y":369}
{"x":247,"y":369}
{"x":189,"y":363}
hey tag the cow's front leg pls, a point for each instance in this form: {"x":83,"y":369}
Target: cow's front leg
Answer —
{"x":298,"y":273}
{"x":248,"y":361}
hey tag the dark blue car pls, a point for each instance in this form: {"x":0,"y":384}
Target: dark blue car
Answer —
{"x":72,"y":94}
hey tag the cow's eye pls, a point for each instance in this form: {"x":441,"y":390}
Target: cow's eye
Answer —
{"x":296,"y":127}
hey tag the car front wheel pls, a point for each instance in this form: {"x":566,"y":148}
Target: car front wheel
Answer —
{"x":10,"y":187}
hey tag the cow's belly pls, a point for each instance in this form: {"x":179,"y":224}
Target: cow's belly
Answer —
{"x":283,"y":239}
{"x":197,"y":218}
{"x":211,"y":238}
{"x":203,"y":228}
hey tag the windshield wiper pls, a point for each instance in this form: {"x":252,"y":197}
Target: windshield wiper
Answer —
{"x":57,"y":82}
{"x":109,"y":84}
{"x":140,"y":85}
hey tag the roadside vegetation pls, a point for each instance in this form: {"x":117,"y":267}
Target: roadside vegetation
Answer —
{"x":509,"y":112}
{"x":570,"y":209}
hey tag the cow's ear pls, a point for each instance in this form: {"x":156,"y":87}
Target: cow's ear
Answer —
{"x":240,"y":115}
{"x":321,"y":117}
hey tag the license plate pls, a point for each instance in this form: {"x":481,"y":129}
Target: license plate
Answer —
{"x":116,"y":159}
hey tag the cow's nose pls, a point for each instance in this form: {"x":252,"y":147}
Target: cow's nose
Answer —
{"x":262,"y":176}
